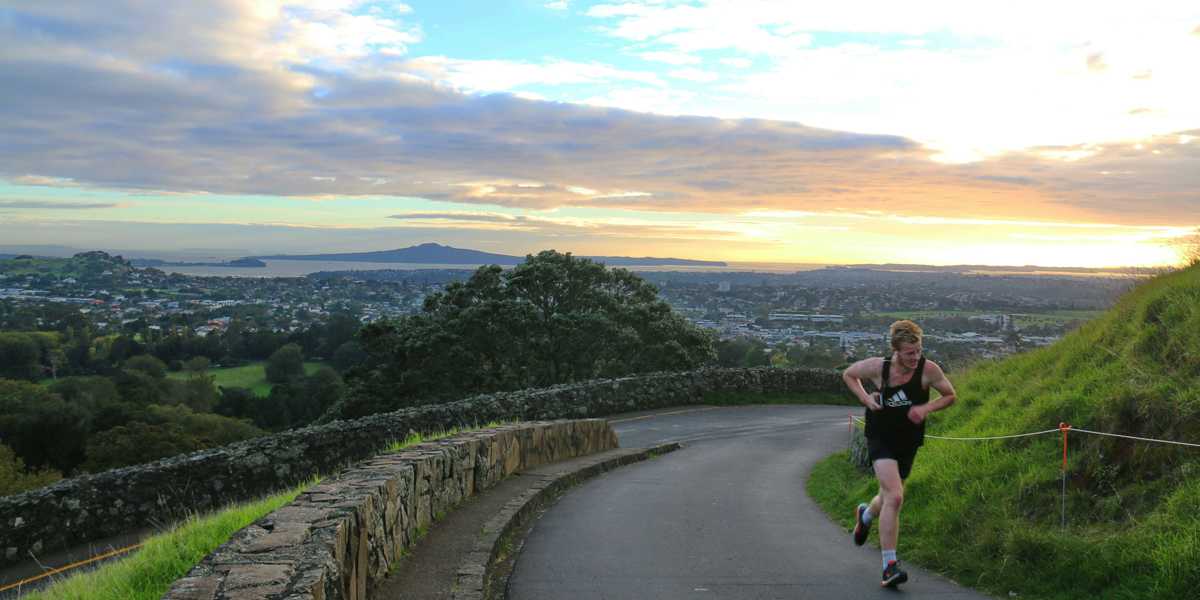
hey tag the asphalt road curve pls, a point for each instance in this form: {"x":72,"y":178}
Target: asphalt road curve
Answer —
{"x":725,"y":517}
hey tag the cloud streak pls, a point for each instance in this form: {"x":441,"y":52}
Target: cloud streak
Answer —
{"x":54,"y":205}
{"x":328,"y":105}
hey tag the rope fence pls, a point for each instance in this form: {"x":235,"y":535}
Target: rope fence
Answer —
{"x":52,"y":572}
{"x":1064,"y":428}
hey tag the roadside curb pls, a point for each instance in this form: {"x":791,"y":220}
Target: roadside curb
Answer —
{"x":477,"y":573}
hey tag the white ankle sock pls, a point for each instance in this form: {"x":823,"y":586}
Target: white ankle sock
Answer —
{"x":888,"y":556}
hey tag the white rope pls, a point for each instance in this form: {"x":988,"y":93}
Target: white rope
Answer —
{"x":1133,"y":437}
{"x":993,"y":437}
{"x":1019,"y":435}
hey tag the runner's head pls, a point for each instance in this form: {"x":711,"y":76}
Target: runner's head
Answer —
{"x":906,"y":341}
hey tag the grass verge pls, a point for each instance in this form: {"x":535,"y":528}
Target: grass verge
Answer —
{"x":148,"y":572}
{"x":988,"y":513}
{"x":988,"y":545}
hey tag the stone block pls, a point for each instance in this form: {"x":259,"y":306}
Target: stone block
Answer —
{"x":194,"y":588}
{"x":256,"y":580}
{"x":282,"y":535}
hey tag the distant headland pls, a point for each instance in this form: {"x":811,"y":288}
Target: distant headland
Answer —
{"x":432,"y":253}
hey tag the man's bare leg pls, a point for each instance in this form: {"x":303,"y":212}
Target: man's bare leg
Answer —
{"x":887,"y":504}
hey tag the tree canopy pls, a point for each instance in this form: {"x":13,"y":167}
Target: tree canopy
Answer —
{"x":554,"y":318}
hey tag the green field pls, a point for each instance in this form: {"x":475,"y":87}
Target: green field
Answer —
{"x":989,"y":513}
{"x":252,"y":376}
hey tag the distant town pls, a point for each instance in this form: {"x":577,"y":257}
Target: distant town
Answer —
{"x":841,"y":311}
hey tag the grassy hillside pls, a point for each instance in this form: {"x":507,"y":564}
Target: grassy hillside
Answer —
{"x":252,"y":376}
{"x":988,"y":513}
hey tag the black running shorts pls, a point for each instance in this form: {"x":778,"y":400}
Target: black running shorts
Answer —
{"x":877,"y":449}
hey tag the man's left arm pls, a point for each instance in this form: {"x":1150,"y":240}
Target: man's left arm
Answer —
{"x":939,"y":382}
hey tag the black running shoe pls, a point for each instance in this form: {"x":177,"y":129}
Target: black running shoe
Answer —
{"x":893,"y":575}
{"x":860,"y":529}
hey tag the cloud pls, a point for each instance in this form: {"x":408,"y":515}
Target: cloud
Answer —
{"x":45,"y":181}
{"x":985,"y":80}
{"x":54,"y":205}
{"x":695,"y":75}
{"x":473,"y":217}
{"x":499,"y":75}
{"x":557,"y":5}
{"x":310,"y":119}
{"x":1095,"y":62}
{"x":671,"y":58}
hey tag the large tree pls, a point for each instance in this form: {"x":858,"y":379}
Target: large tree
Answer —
{"x":285,"y":364}
{"x":554,"y":318}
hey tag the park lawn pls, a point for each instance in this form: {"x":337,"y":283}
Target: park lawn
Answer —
{"x":252,"y":376}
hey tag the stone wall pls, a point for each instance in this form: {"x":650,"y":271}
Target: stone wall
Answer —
{"x":93,"y":507}
{"x":341,"y":536}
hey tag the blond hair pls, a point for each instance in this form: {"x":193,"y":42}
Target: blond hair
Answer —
{"x":905,"y":332}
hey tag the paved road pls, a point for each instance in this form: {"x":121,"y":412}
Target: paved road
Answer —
{"x":725,"y":517}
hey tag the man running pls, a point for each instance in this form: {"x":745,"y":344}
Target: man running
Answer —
{"x":895,"y":429}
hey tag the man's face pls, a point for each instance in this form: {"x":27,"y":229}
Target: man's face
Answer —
{"x":909,"y":354}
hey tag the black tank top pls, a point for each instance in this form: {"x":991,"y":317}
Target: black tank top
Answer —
{"x":891,"y":425}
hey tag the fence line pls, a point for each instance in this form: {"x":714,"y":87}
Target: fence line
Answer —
{"x":1065,"y":428}
{"x":1134,"y":437}
{"x":1033,"y":433}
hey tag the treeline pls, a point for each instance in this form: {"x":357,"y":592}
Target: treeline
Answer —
{"x":753,"y":352}
{"x":552,"y":319}
{"x":75,"y":347}
{"x":72,"y":402}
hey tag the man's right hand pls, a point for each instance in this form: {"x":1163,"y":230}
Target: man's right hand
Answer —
{"x":873,"y":402}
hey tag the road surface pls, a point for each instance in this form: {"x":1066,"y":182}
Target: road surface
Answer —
{"x":725,"y":517}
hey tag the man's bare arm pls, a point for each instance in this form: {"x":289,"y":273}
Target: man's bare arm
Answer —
{"x":854,"y":376}
{"x":939,"y":382}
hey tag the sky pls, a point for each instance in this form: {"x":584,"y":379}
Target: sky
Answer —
{"x":1061,"y":133}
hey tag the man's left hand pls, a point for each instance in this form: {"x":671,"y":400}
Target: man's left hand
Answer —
{"x":917,"y":414}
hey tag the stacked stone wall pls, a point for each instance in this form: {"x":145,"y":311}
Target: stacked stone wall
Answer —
{"x":94,"y":507}
{"x":340,"y":537}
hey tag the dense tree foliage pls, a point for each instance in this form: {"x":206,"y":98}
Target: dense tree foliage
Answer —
{"x":285,"y":364}
{"x":554,"y":318}
{"x":165,"y":431}
{"x":41,"y":427}
{"x":14,"y":478}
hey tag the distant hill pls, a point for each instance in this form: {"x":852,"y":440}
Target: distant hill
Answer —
{"x":446,"y":255}
{"x":84,"y":266}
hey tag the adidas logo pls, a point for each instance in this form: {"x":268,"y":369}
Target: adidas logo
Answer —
{"x":898,"y":399}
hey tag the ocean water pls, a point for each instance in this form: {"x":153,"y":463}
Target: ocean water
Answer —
{"x":300,"y":268}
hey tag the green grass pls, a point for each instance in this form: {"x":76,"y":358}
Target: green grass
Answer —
{"x":988,"y":513}
{"x":415,"y":438}
{"x":148,"y":572}
{"x":746,"y":398}
{"x":252,"y":376}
